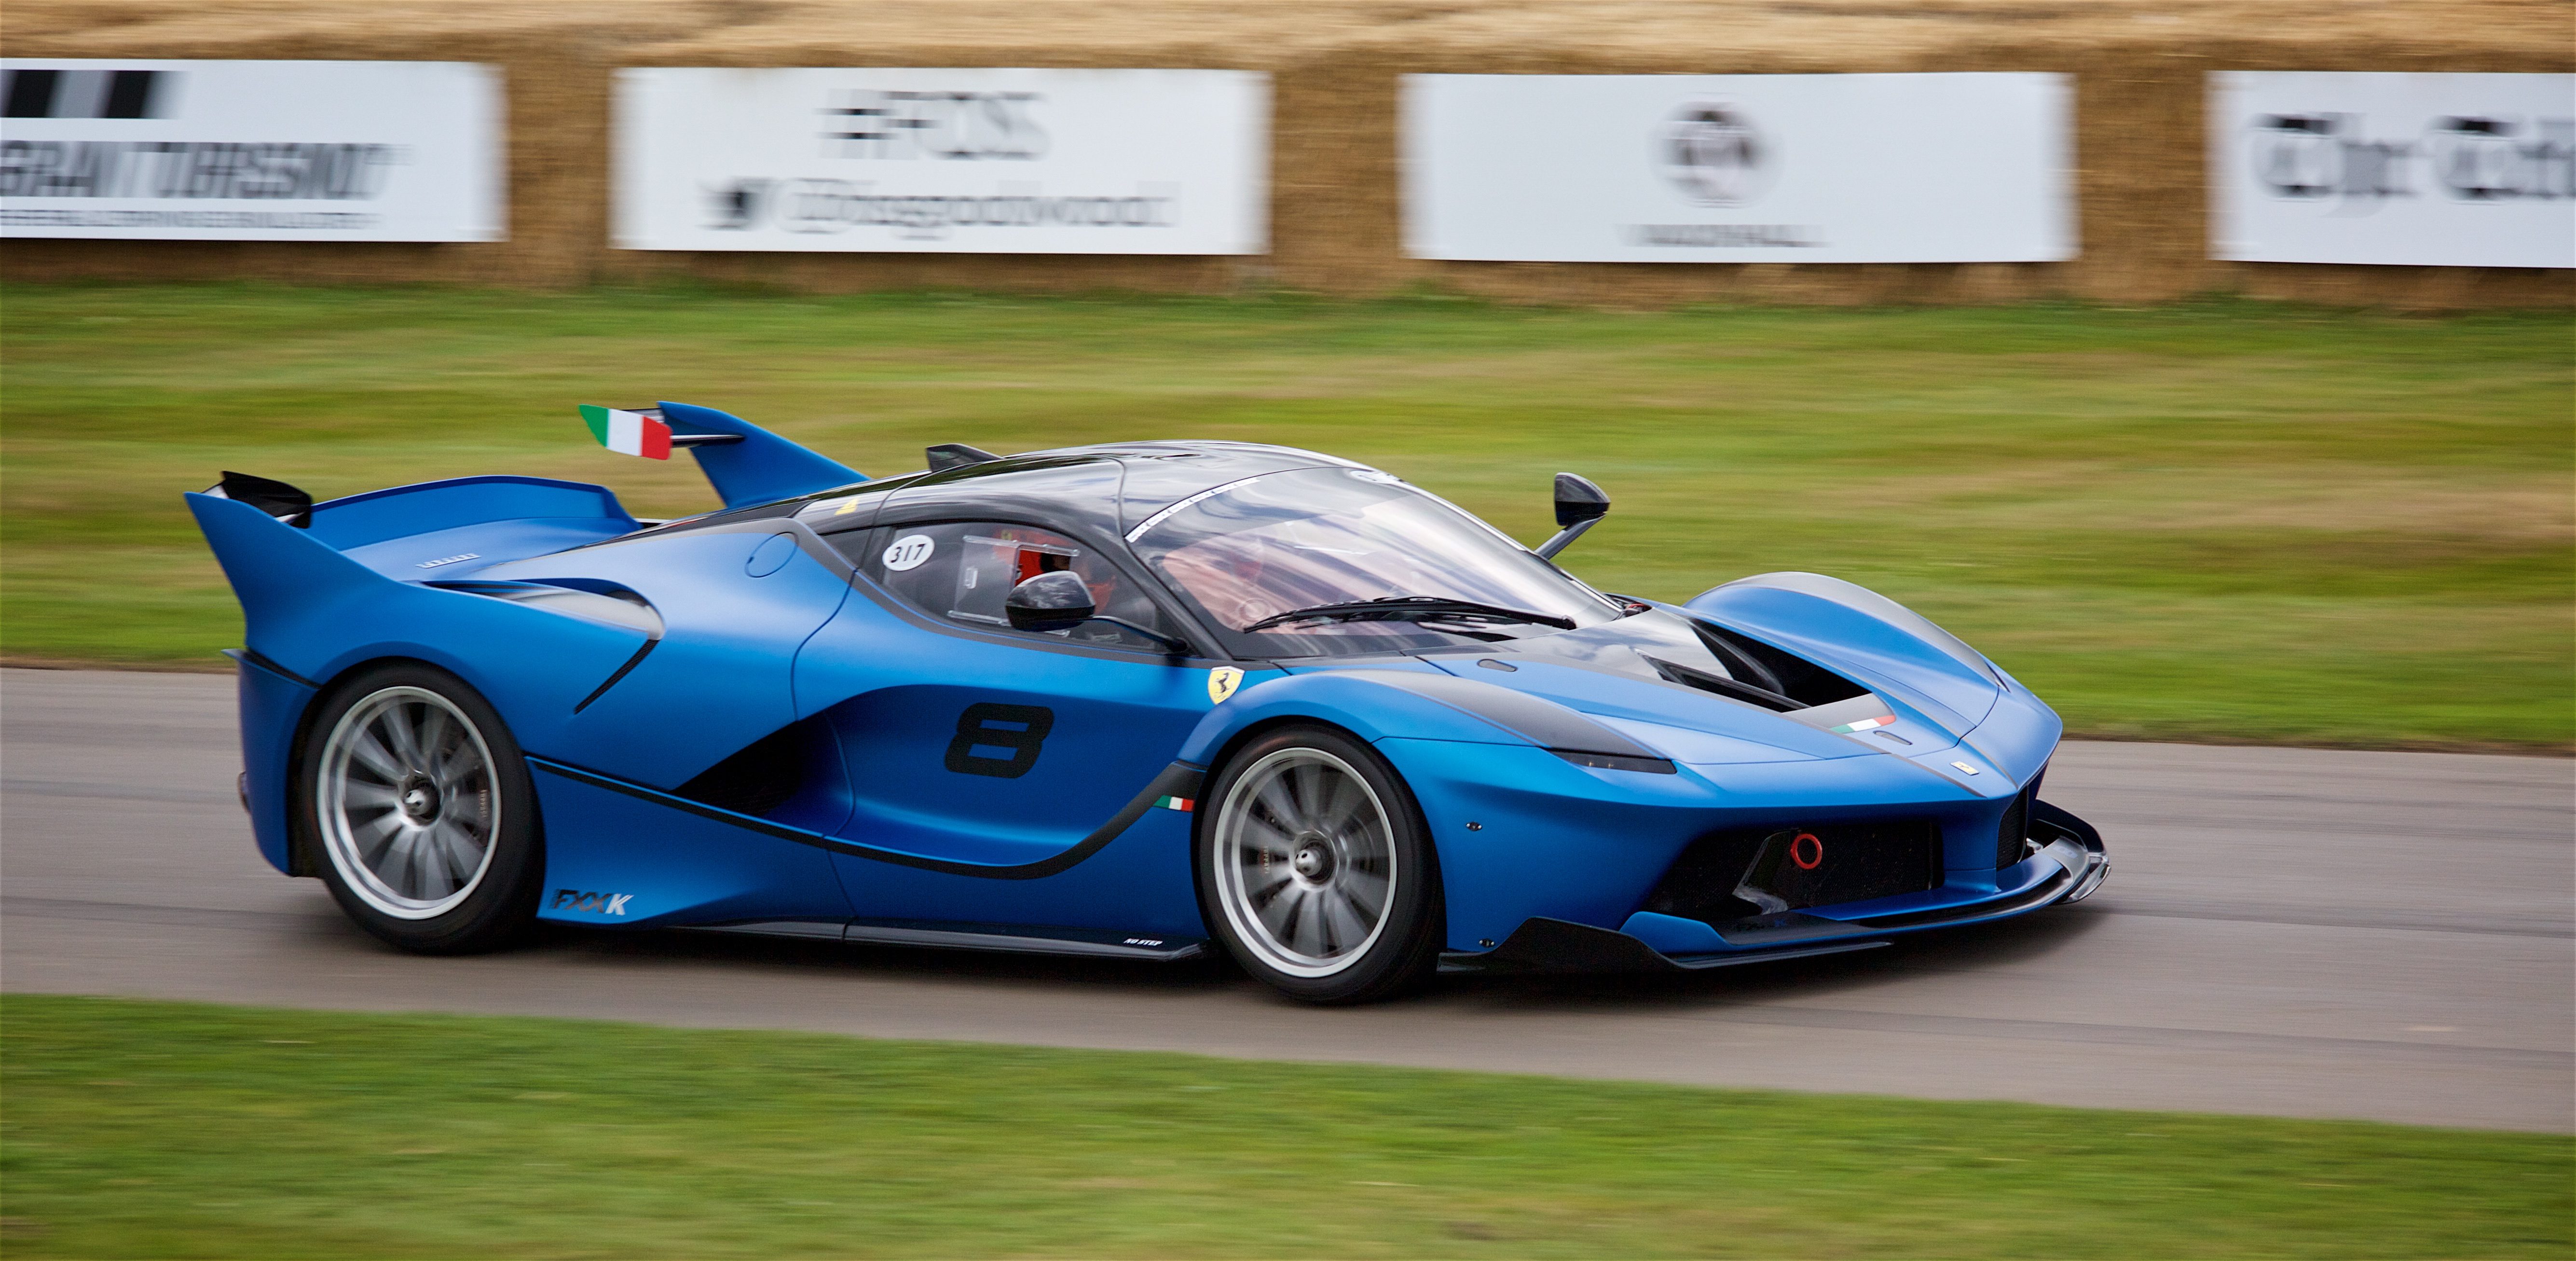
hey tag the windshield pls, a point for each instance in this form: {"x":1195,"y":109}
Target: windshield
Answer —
{"x":1335,"y":536}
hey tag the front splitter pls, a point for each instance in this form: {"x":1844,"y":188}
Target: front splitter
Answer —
{"x":1542,"y":945}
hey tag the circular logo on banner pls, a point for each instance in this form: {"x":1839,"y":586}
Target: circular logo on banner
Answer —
{"x":908,"y":552}
{"x":1712,"y":152}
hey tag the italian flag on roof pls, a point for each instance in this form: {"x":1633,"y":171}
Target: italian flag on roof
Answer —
{"x":628,"y":433}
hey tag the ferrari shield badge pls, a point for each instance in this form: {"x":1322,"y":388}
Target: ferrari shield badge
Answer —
{"x":1221,"y":683}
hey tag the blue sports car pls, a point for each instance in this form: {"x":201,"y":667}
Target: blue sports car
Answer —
{"x":1138,"y":700}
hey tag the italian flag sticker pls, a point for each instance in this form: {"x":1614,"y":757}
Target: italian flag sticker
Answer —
{"x":1182,"y":804}
{"x":1865,"y":724}
{"x":628,"y":433}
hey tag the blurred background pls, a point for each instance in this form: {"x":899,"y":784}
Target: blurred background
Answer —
{"x":2209,"y":364}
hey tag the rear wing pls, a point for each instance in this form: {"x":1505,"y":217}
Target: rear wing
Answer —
{"x":291,"y":560}
{"x":744,"y":462}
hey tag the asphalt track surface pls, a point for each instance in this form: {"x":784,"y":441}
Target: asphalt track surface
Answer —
{"x":2285,"y":931}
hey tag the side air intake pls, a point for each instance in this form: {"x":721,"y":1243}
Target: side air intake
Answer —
{"x":766,"y":774}
{"x":2012,"y":839}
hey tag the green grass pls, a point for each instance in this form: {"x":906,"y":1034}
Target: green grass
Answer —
{"x":2225,"y":521}
{"x":157,"y":1129}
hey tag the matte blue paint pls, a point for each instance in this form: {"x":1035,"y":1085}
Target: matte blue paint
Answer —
{"x":762,"y":627}
{"x":2018,"y":736}
{"x":1139,"y":883}
{"x":1849,"y":628}
{"x":681,"y":869}
{"x":721,"y":677}
{"x":1349,"y":699}
{"x":773,"y":552}
{"x":761,"y":468}
{"x":428,"y":507}
{"x":1673,"y":935}
{"x":895,"y":696}
{"x":271,"y":706}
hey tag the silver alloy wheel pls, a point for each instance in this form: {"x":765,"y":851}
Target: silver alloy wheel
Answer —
{"x":1305,"y":862}
{"x":407,"y":802}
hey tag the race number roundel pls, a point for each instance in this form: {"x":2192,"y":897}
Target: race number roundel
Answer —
{"x":908,"y":552}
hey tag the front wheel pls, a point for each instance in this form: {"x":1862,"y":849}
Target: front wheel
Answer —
{"x":1316,"y":871}
{"x":421,"y":806}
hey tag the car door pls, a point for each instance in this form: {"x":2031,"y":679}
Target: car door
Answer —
{"x":981,"y":753}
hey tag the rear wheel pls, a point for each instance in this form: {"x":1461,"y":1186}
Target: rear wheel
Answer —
{"x":1316,"y":871}
{"x":420,"y":805}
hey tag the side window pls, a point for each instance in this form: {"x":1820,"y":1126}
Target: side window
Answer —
{"x":961,"y":570}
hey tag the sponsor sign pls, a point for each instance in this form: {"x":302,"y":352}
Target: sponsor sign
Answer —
{"x":251,"y":150}
{"x":2435,"y":170}
{"x":984,"y":161}
{"x":1816,"y":168}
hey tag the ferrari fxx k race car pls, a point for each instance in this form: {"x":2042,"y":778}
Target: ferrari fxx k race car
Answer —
{"x":1138,"y":700}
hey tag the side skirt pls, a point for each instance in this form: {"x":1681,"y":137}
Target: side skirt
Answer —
{"x":1001,"y":938}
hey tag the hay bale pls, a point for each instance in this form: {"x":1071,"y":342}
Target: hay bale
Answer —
{"x":2138,"y":67}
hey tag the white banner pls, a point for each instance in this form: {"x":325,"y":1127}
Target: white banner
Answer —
{"x":1773,"y":168}
{"x":251,"y":150}
{"x":986,"y":161}
{"x":2433,"y":170}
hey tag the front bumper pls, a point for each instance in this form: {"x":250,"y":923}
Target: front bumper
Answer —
{"x":2067,"y":864}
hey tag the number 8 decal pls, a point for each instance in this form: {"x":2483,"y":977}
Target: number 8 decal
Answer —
{"x":1015,"y":731}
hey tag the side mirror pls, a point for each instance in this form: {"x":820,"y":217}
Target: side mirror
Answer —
{"x":1577,"y":499}
{"x":1579,"y":504}
{"x":1052,"y":601}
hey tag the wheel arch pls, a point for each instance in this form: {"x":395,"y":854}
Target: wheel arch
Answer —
{"x":302,"y":846}
{"x":1252,"y":731}
{"x":1266,"y":724}
{"x":1432,"y":928}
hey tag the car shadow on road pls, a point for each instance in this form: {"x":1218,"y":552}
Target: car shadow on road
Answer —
{"x":1972,"y":948}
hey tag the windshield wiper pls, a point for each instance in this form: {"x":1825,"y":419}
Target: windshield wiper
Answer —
{"x":1410,"y":608}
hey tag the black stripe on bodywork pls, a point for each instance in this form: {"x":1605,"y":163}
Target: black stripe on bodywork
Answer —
{"x":1180,"y":779}
{"x":1541,"y":722}
{"x":611,"y":680}
{"x":249,"y":657}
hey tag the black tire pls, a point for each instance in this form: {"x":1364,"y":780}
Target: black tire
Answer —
{"x":419,"y":811}
{"x":1316,"y":871}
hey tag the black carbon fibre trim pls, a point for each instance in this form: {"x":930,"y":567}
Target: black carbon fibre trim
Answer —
{"x":1614,"y":762}
{"x":1543,"y":945}
{"x":1541,"y":722}
{"x":611,"y":680}
{"x":2048,"y":891}
{"x":248,"y":657}
{"x":1180,"y":779}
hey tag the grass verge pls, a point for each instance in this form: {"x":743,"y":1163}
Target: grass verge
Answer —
{"x":2221,"y":522}
{"x":166,"y":1129}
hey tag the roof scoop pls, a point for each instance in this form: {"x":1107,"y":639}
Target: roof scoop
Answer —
{"x":949,"y":455}
{"x":1579,"y":504}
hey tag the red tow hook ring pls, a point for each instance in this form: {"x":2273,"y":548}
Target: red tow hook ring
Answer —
{"x":1806,"y":851}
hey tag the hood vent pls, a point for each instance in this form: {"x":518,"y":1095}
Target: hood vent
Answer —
{"x":1771,"y":670}
{"x":1706,"y":682}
